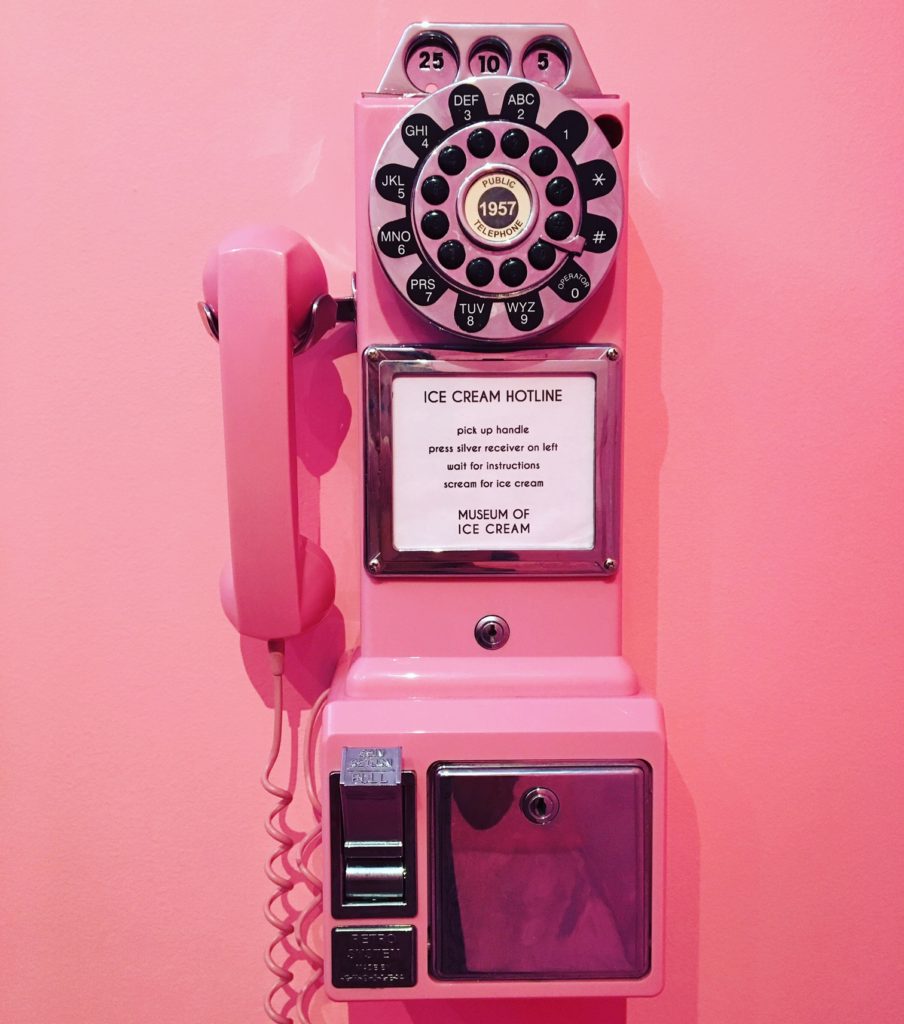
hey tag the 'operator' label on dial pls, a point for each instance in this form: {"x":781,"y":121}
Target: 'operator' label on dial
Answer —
{"x":497,"y":208}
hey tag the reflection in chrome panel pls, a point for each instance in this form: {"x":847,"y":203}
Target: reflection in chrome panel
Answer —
{"x":520,"y":892}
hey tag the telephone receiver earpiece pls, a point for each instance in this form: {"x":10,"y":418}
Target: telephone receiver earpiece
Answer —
{"x":260,"y":287}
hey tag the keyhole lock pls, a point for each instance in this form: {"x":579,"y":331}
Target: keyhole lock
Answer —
{"x":540,"y":805}
{"x":492,"y":632}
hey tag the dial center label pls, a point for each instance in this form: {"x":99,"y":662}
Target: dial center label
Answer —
{"x":493,"y":463}
{"x":497,"y":208}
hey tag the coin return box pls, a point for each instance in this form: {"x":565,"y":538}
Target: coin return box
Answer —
{"x":540,"y":872}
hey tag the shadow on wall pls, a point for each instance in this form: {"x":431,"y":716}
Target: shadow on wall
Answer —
{"x":492,"y":1011}
{"x":646,"y":442}
{"x":680,"y":997}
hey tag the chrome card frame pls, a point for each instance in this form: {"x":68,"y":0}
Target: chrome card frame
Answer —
{"x":382,"y":365}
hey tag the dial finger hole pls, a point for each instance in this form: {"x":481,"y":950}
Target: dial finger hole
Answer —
{"x":452,"y":160}
{"x":559,"y":191}
{"x":435,"y":189}
{"x":514,"y":143}
{"x":543,"y":161}
{"x":512,"y":272}
{"x":558,"y":225}
{"x":435,"y":224}
{"x":541,"y":255}
{"x":481,"y":142}
{"x":480,"y":272}
{"x":451,"y":254}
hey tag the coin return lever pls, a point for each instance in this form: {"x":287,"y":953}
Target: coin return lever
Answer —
{"x":373,"y":845}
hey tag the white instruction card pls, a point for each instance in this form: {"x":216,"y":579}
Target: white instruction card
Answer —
{"x":493,"y":463}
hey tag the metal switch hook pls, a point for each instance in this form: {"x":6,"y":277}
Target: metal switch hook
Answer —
{"x":326,"y":312}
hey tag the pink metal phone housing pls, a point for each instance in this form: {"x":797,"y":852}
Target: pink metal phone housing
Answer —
{"x":482,"y":725}
{"x":559,"y":692}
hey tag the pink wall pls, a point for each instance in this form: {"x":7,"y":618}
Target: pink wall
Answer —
{"x":764,"y":588}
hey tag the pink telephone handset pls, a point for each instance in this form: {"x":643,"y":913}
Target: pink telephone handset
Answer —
{"x":262,"y":284}
{"x":491,"y":771}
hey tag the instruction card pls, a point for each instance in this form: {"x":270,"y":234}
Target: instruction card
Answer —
{"x":493,"y":463}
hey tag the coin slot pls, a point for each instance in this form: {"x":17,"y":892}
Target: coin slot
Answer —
{"x":431,"y":62}
{"x":490,"y":57}
{"x":546,"y":61}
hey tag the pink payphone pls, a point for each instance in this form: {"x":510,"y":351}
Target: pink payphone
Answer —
{"x":493,"y":780}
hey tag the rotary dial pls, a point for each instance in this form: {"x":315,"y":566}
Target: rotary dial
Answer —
{"x":496,"y":208}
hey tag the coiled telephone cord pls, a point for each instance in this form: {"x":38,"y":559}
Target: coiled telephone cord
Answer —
{"x":275,"y":829}
{"x":312,"y":837}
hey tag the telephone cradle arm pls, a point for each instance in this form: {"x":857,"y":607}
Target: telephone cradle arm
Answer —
{"x":266,"y":297}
